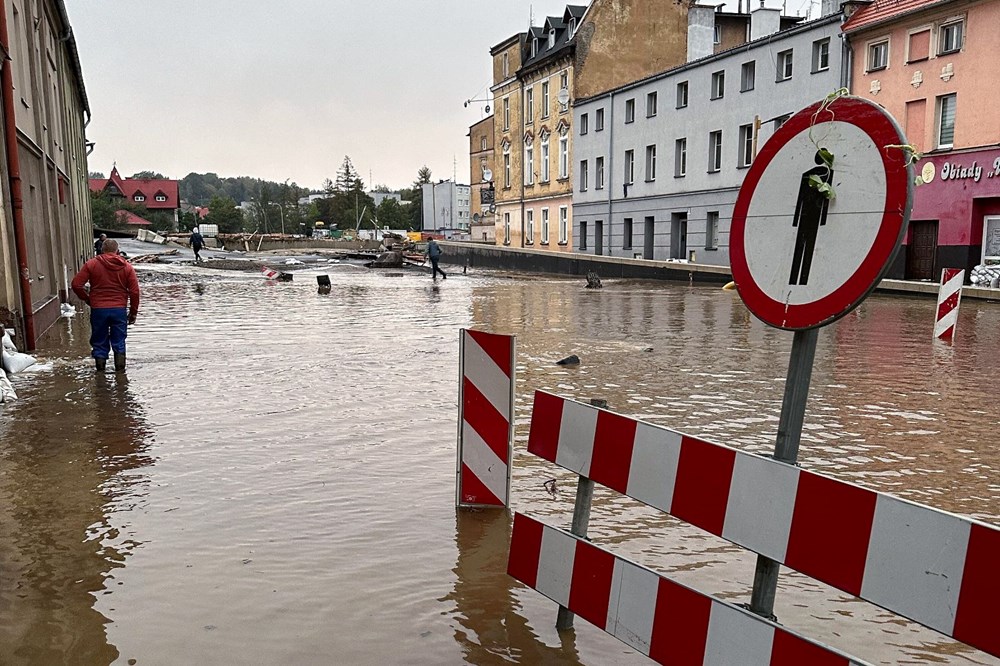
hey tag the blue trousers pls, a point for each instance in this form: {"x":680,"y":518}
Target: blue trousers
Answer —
{"x":108,"y":328}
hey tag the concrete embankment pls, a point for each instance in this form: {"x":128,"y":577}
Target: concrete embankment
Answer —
{"x":575,"y":264}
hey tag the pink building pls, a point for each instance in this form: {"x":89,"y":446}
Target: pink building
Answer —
{"x":932,"y":65}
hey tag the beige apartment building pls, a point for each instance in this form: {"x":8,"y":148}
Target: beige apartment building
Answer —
{"x":481,"y":209}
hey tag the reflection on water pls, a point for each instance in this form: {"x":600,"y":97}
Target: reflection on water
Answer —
{"x":273,"y":483}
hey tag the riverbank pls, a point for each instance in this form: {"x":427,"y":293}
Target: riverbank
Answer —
{"x":497,"y":257}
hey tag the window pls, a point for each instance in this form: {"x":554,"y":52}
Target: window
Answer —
{"x":529,"y":164}
{"x":545,"y":99}
{"x":946,"y":121}
{"x":651,"y":163}
{"x":529,"y":227}
{"x":506,"y":113}
{"x":584,"y":123}
{"x":572,"y":26}
{"x":746,"y":146}
{"x":629,"y":111}
{"x":552,"y":37}
{"x":160,"y":197}
{"x":564,"y":157}
{"x":821,"y":55}
{"x":680,"y":158}
{"x":563,"y":224}
{"x":139,"y":197}
{"x":506,"y":166}
{"x":599,"y":120}
{"x":599,"y":173}
{"x":482,"y":143}
{"x":506,"y":66}
{"x":534,"y":47}
{"x":712,"y":230}
{"x":950,"y":37}
{"x":748,"y":73}
{"x":529,"y":106}
{"x":506,"y":228}
{"x":785,"y":65}
{"x":718,"y":84}
{"x":583,"y":175}
{"x":717,"y":34}
{"x":629,"y":166}
{"x":627,"y":234}
{"x":651,"y":105}
{"x":564,"y":85}
{"x":714,"y":151}
{"x":545,"y":160}
{"x":878,"y":55}
{"x":583,"y":236}
{"x":781,"y":120}
{"x":682,"y":94}
{"x":919,"y":45}
{"x":545,"y":226}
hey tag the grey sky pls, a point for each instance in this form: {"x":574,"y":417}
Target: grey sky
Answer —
{"x":285,"y":90}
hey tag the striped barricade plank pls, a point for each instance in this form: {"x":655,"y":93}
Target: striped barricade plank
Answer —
{"x":667,"y":621}
{"x":922,"y":563}
{"x":486,"y":404}
{"x":949,"y":297}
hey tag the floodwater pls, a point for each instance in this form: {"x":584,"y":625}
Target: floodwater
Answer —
{"x":273,"y":482}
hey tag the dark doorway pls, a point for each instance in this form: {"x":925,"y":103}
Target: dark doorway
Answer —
{"x":647,"y":238}
{"x":598,"y":237}
{"x":921,"y":250}
{"x":678,"y":235}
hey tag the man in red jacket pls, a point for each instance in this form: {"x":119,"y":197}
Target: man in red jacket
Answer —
{"x":114,"y":302}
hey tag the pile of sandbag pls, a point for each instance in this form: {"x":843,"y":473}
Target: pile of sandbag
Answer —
{"x":12,"y":362}
{"x":985,"y":276}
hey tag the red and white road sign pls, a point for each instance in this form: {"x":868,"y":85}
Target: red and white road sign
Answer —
{"x":949,"y":297}
{"x":268,"y":273}
{"x":801,"y":259}
{"x":486,"y":418}
{"x":930,"y":566}
{"x":669,"y":622}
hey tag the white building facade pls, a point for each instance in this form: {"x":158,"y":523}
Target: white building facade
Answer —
{"x":659,"y":162}
{"x":446,"y":206}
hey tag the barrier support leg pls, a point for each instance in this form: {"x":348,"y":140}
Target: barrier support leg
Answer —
{"x":581,"y":521}
{"x":786,"y":449}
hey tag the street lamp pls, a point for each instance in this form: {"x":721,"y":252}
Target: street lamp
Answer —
{"x":281,"y":209}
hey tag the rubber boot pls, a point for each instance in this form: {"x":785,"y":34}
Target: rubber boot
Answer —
{"x":102,"y":364}
{"x":119,"y":361}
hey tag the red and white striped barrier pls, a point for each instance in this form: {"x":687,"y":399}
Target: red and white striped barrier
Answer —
{"x":930,"y":566}
{"x":269,"y":273}
{"x":666,"y":621}
{"x":949,"y":296}
{"x":486,"y":418}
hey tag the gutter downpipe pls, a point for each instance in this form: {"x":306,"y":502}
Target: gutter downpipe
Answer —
{"x":611,"y":167}
{"x":14,"y":171}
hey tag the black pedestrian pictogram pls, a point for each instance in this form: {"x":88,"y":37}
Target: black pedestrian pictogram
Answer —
{"x":810,"y":214}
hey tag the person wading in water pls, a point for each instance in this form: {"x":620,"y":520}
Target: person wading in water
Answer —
{"x":114,"y":303}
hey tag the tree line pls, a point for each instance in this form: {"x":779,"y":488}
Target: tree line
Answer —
{"x":272,"y":206}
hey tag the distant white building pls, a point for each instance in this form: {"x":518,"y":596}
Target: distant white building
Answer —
{"x":446,"y":209}
{"x":306,"y":200}
{"x":379,"y":197}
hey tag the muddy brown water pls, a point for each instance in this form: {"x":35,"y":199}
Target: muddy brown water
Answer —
{"x":273,"y":482}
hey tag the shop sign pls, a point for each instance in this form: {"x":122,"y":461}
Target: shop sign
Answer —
{"x":957,"y":171}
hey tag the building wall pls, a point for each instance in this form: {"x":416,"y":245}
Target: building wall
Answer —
{"x":481,"y":158}
{"x":446,"y":208}
{"x":669,"y":197}
{"x":507,"y":123}
{"x":49,"y":103}
{"x":620,"y":41}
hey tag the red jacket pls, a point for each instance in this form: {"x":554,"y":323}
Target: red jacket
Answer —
{"x":113,"y":283}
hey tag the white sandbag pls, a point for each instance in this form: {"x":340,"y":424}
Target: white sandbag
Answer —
{"x":16,"y":362}
{"x":67,"y":310}
{"x":7,"y":343}
{"x":7,"y":392}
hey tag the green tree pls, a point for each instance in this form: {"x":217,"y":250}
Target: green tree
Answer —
{"x":391,"y":214}
{"x":346,"y":176}
{"x":147,"y":175}
{"x":223,"y":212}
{"x":417,"y":198}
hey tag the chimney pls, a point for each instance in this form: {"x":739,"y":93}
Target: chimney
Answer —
{"x":829,"y":7}
{"x":764,"y":22}
{"x":701,"y":32}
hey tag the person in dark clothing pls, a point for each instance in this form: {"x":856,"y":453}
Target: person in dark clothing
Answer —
{"x":197,"y":242}
{"x":434,"y":254}
{"x":99,"y":243}
{"x":114,"y":302}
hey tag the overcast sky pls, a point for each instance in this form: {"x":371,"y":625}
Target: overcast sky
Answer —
{"x":283,"y":90}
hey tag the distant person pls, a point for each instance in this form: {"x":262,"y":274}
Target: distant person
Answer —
{"x":196,"y":243}
{"x":98,"y":243}
{"x":114,"y":303}
{"x":434,"y":254}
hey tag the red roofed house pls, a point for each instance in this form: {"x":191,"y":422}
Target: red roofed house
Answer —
{"x":132,"y":220}
{"x":932,"y":64}
{"x":153,"y":193}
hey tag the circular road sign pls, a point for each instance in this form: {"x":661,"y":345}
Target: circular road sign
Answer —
{"x":811,"y":236}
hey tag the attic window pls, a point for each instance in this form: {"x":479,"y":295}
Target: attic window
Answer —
{"x":161,"y":197}
{"x":552,"y":37}
{"x":572,"y":26}
{"x":534,"y":47}
{"x":139,"y":197}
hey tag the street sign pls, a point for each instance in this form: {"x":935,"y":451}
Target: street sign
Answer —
{"x":812,"y":237}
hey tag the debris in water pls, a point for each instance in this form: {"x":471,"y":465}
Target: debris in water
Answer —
{"x":572,"y":359}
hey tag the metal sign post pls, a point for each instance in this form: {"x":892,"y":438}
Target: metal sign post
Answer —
{"x":818,"y":219}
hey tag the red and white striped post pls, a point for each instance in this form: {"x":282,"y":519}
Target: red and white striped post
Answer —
{"x":486,"y":418}
{"x":949,"y":296}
